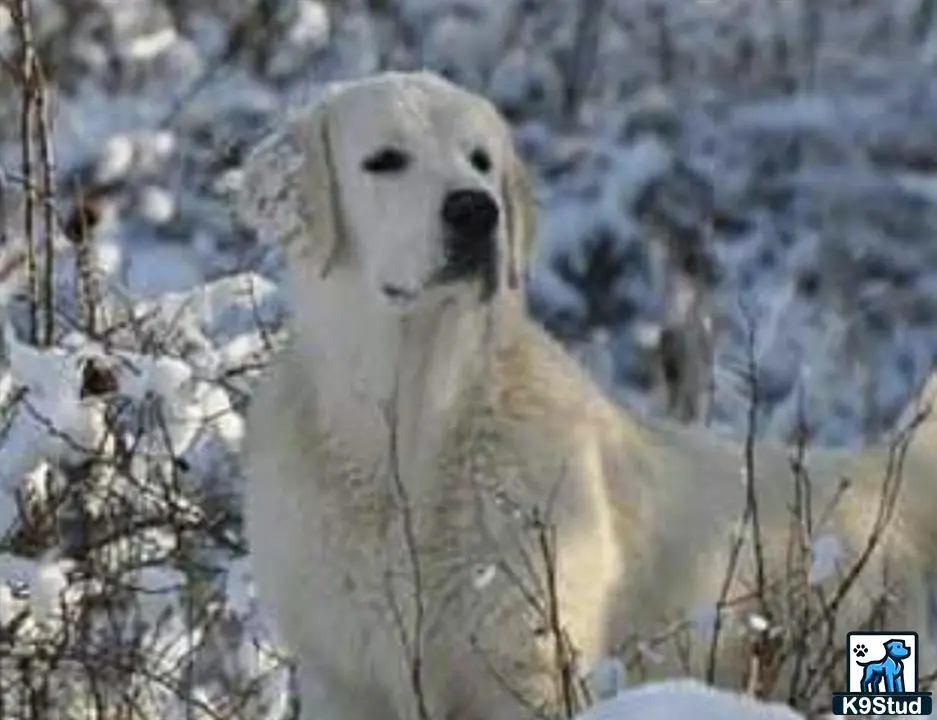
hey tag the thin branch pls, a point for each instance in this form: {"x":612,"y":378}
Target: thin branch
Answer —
{"x":44,"y":130}
{"x":4,"y":236}
{"x":749,"y":515}
{"x":413,"y":644}
{"x":22,"y":20}
{"x":546,"y":539}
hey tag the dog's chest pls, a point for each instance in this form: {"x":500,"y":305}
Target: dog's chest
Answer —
{"x":384,"y":526}
{"x":376,"y":509}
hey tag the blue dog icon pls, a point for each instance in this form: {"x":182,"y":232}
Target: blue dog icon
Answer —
{"x":889,"y":668}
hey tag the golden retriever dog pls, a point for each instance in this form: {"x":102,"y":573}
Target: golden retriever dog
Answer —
{"x":448,"y":519}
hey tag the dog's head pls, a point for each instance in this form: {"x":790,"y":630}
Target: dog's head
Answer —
{"x":406,"y":180}
{"x":897,"y":649}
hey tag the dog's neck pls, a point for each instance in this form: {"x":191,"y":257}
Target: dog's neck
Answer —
{"x":372,"y":368}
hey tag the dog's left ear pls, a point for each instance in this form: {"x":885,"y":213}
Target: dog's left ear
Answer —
{"x":290,"y":187}
{"x":521,"y":219}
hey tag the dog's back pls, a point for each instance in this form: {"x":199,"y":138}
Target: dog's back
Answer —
{"x":867,"y":513}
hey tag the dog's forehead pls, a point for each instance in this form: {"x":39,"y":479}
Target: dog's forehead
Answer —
{"x":415,"y":109}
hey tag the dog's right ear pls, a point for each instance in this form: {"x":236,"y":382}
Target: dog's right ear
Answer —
{"x":289,"y":190}
{"x":521,"y":219}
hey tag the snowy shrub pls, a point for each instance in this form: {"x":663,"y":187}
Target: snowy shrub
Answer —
{"x":122,"y":468}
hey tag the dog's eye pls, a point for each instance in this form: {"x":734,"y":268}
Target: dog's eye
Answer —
{"x":386,"y":160}
{"x":480,"y":160}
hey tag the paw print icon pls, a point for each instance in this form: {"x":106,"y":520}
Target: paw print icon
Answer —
{"x":861,"y":650}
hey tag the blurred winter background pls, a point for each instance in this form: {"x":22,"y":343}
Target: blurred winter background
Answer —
{"x":723,"y":184}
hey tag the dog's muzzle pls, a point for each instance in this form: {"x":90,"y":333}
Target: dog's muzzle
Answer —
{"x":470,"y":244}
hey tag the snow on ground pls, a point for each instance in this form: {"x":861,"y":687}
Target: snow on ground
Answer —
{"x":684,"y":699}
{"x":702,"y":168}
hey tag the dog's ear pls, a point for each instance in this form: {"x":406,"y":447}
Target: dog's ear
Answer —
{"x":290,"y":190}
{"x":521,"y":219}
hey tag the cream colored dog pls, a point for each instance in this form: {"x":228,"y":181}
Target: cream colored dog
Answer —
{"x":448,"y":520}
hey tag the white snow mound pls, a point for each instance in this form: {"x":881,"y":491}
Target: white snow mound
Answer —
{"x":685,"y":698}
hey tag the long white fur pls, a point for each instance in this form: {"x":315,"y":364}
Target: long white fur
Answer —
{"x":438,"y":446}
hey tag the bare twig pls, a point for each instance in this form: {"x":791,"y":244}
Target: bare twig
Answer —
{"x":799,"y":612}
{"x":82,"y":237}
{"x":563,"y":655}
{"x":535,"y":573}
{"x":749,"y":516}
{"x":4,"y":237}
{"x":891,"y":485}
{"x":412,"y":641}
{"x":22,"y":20}
{"x":44,"y":131}
{"x":759,"y":656}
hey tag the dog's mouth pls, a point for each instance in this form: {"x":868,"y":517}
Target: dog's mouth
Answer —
{"x":399,"y":295}
{"x":470,"y":260}
{"x":449,"y":274}
{"x":406,"y":297}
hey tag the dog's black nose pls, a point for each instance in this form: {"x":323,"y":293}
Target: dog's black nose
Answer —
{"x":470,"y":243}
{"x":472,"y":213}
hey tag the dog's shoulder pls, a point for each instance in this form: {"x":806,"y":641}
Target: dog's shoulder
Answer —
{"x":545,"y":397}
{"x":536,"y":376}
